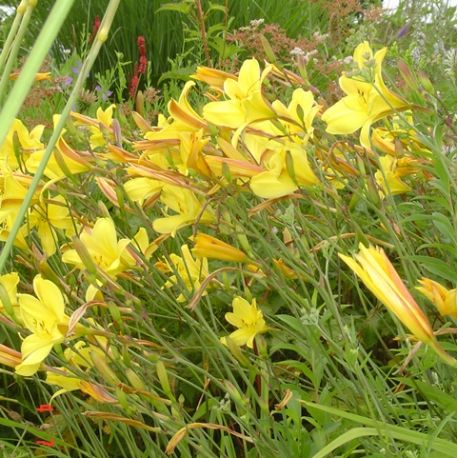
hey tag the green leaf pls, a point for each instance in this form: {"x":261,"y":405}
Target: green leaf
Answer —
{"x":436,"y":267}
{"x":182,"y":7}
{"x":215,"y":7}
{"x":348,"y":436}
{"x":447,"y":448}
{"x":444,"y":226}
{"x":444,"y":400}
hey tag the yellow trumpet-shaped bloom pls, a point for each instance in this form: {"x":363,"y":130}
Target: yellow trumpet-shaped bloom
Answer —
{"x":388,"y":177}
{"x":300,"y":113}
{"x":207,"y":246}
{"x":27,"y":144}
{"x":188,"y":207}
{"x":80,"y":357}
{"x":444,"y":299}
{"x":43,"y":315}
{"x":376,"y":271}
{"x":282,"y":178}
{"x":367,"y":99}
{"x":245,"y":102}
{"x":13,"y":189}
{"x":72,"y":161}
{"x":9,"y":283}
{"x":103,"y":246}
{"x":140,"y":189}
{"x":105,"y":118}
{"x":47,"y":218}
{"x":185,"y":117}
{"x":188,"y":270}
{"x":248,"y":319}
{"x":103,"y":122}
{"x":212,"y":77}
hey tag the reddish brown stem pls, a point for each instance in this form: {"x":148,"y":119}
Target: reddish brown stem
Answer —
{"x":200,"y":15}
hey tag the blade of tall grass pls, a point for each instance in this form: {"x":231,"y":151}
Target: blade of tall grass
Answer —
{"x":443,"y":446}
{"x":22,"y":86}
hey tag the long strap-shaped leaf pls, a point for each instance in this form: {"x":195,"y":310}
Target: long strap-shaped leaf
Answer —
{"x":442,"y":446}
{"x":22,"y":86}
{"x":38,"y":53}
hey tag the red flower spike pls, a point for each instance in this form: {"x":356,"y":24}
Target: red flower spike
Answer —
{"x":45,"y":408}
{"x":142,"y":65}
{"x":96,"y":25}
{"x":141,"y":44}
{"x":133,"y":86}
{"x":95,"y":28}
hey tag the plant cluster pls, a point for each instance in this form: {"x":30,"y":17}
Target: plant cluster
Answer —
{"x":257,"y":261}
{"x":145,"y":265}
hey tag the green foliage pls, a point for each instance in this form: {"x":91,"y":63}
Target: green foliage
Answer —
{"x":335,"y":375}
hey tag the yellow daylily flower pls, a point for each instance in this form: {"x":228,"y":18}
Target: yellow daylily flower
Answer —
{"x":186,"y":204}
{"x":212,"y":77}
{"x":366,"y":101}
{"x":191,"y":147}
{"x":248,"y":319}
{"x":80,"y":357}
{"x":397,"y":141}
{"x":300,"y":113}
{"x":105,"y":118}
{"x":165,"y":139}
{"x":383,"y":140}
{"x":444,"y":299}
{"x":43,"y":315}
{"x":207,"y":246}
{"x":103,"y":121}
{"x":40,"y":76}
{"x":276,"y":181}
{"x":285,"y":270}
{"x":65,"y":379}
{"x":388,"y":178}
{"x":141,"y":189}
{"x":184,"y":115}
{"x":48,"y":217}
{"x":9,"y":283}
{"x":103,"y":246}
{"x":28,"y":142}
{"x":375,"y":270}
{"x":246,"y":103}
{"x":13,"y":188}
{"x":74,"y":162}
{"x":188,"y":270}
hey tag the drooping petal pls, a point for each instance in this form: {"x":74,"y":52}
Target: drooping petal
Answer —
{"x":50,"y":296}
{"x":31,"y":310}
{"x":228,"y":113}
{"x":35,"y":348}
{"x":346,"y":116}
{"x":270,"y":185}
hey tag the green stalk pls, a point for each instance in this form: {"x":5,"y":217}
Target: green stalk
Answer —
{"x":95,"y":48}
{"x":12,"y":33}
{"x":15,"y":46}
{"x":37,"y":55}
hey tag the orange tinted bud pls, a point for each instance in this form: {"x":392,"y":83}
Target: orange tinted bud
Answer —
{"x":207,"y":246}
